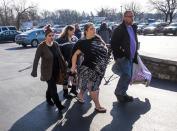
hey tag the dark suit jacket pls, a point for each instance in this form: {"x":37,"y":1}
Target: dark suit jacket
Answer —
{"x":120,"y":42}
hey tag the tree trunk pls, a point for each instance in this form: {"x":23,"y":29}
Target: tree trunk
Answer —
{"x":171,"y":17}
{"x":18,"y":22}
{"x":166,"y":17}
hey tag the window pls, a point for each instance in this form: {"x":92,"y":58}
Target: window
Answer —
{"x":12,"y":28}
{"x":4,"y":28}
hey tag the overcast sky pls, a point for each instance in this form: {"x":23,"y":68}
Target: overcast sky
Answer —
{"x":86,"y":5}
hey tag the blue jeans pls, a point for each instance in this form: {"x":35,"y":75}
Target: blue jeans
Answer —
{"x":123,"y":67}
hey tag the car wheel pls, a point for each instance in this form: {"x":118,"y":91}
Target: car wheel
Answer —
{"x":34,"y":43}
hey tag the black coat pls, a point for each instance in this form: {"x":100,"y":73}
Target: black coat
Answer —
{"x":120,"y":42}
{"x":66,"y":47}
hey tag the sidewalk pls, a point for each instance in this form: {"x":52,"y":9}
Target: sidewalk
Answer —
{"x":23,"y":106}
{"x":152,"y":110}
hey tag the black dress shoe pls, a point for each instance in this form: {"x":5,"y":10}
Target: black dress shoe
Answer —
{"x":128,"y":98}
{"x":120,"y":98}
{"x":124,"y":98}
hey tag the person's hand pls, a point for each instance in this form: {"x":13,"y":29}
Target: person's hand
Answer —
{"x":73,"y":70}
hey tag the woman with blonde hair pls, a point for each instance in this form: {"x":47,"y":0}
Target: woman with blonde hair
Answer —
{"x":66,"y":42}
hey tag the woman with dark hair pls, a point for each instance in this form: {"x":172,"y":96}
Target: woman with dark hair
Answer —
{"x":93,"y":66}
{"x":66,"y":42}
{"x":53,"y":67}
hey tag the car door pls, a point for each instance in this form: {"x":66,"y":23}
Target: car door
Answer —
{"x":40,"y":35}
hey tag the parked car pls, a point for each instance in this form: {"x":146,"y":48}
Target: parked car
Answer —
{"x":31,"y":37}
{"x":170,"y":29}
{"x":58,"y":28}
{"x":140,"y":28}
{"x":8,"y":35}
{"x":4,"y":28}
{"x":154,"y":28}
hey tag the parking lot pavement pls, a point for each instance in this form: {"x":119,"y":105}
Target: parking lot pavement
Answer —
{"x":23,"y":105}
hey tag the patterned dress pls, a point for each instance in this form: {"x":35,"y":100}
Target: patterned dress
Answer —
{"x":94,"y":65}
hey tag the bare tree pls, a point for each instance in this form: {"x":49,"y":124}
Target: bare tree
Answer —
{"x":22,"y":11}
{"x":167,"y":7}
{"x":172,"y":6}
{"x":110,"y":14}
{"x":45,"y":14}
{"x":133,"y":6}
{"x":6,"y":13}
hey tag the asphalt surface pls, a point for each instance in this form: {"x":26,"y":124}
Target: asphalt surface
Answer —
{"x":23,"y":106}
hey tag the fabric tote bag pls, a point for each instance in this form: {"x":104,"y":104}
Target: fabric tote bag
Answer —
{"x":140,"y":73}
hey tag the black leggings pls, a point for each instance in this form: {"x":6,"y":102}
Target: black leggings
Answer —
{"x":51,"y":92}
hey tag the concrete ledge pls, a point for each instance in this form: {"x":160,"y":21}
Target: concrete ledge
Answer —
{"x":161,"y":68}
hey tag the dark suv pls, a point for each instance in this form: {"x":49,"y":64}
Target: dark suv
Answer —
{"x":8,"y":33}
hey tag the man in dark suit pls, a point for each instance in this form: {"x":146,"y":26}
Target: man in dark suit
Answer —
{"x":124,"y":44}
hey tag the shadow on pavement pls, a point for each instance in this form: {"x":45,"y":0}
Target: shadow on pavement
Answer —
{"x":39,"y":119}
{"x":164,"y":84}
{"x":5,"y":42}
{"x":125,"y":115}
{"x":19,"y":48}
{"x":74,"y":119}
{"x":44,"y":117}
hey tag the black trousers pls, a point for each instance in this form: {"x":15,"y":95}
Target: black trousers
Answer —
{"x":51,"y":92}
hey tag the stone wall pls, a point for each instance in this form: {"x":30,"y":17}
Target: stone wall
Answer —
{"x":162,"y":69}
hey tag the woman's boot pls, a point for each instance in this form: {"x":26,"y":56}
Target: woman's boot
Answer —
{"x":66,"y":95}
{"x":49,"y":98}
{"x":73,"y":90}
